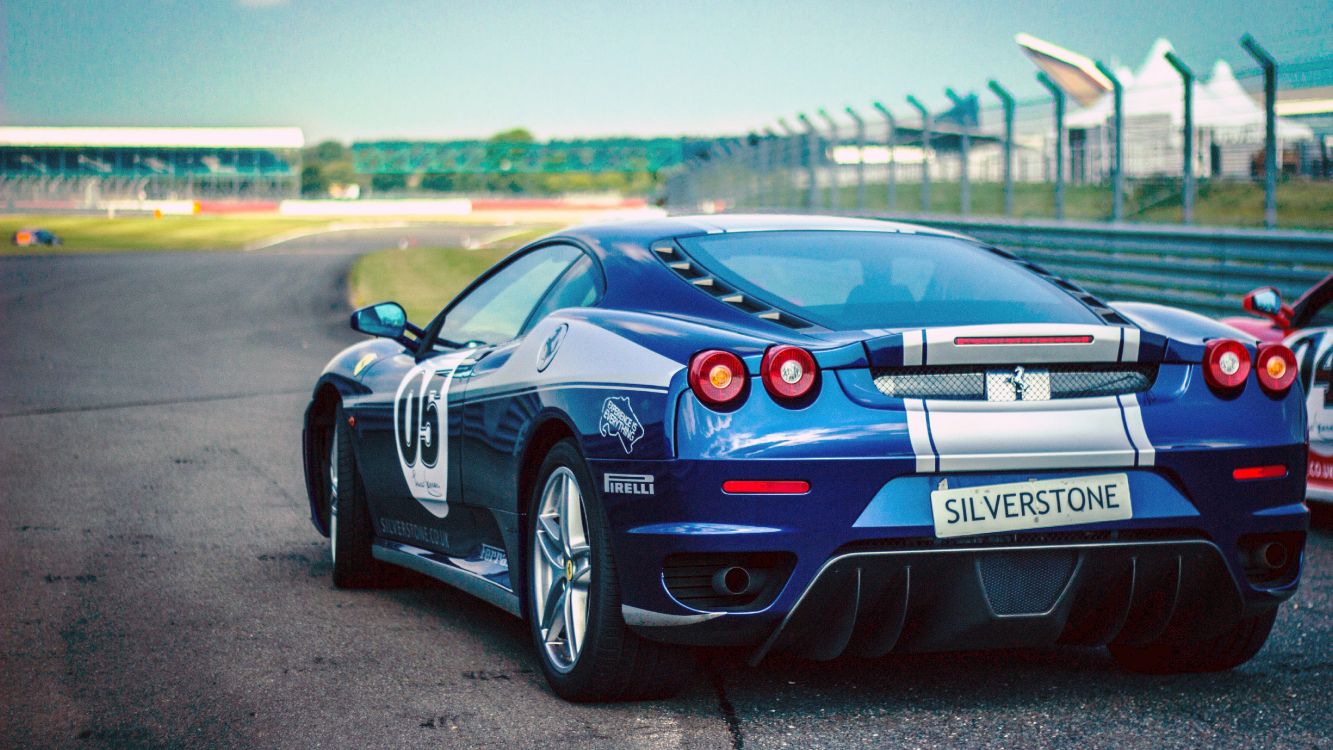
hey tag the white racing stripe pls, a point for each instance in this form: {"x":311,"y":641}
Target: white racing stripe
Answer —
{"x":1130,"y":351}
{"x":999,"y":436}
{"x":1137,"y":432}
{"x":918,"y":429}
{"x":913,"y":343}
{"x":587,"y":354}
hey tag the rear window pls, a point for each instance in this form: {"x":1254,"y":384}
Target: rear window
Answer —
{"x":860,"y":280}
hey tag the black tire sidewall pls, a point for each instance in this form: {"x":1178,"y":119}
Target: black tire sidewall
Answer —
{"x":355,"y":566}
{"x":604,"y":618}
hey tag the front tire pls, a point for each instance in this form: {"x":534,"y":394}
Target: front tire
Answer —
{"x":1225,"y":651}
{"x":573,"y":596}
{"x":351,"y":532}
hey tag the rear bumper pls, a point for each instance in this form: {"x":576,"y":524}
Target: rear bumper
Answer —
{"x":869,"y":602}
{"x":862,"y":554}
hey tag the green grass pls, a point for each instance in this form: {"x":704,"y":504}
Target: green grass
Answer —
{"x":81,"y":234}
{"x":424,"y":279}
{"x":1300,"y":205}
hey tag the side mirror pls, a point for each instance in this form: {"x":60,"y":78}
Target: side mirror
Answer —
{"x":385,"y":319}
{"x":1267,"y":301}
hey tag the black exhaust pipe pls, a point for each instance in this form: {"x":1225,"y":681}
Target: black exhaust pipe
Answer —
{"x":1267,"y":557}
{"x":1272,"y":555}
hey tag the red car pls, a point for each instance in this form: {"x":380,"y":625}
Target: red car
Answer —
{"x":1307,"y":328}
{"x":1271,"y":319}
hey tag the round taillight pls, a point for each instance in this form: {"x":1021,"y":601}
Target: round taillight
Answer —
{"x":1226,"y":364}
{"x":717,"y":377}
{"x":1276,"y":366}
{"x":789,"y":372}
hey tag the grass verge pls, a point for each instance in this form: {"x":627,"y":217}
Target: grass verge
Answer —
{"x":424,"y":279}
{"x":84,"y":234}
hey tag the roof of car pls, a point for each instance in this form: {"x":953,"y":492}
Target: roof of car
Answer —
{"x":661,"y":227}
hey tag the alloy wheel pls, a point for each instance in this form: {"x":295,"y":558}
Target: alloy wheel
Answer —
{"x":561,"y":569}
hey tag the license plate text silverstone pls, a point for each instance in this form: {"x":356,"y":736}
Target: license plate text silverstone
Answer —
{"x":1035,"y":504}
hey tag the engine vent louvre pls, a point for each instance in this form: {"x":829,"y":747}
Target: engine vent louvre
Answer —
{"x":703,"y":281}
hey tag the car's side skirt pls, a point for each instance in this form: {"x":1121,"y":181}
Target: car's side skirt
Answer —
{"x":440,"y":568}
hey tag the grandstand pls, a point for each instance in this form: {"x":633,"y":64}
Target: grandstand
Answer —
{"x":491,"y":157}
{"x":77,"y":167}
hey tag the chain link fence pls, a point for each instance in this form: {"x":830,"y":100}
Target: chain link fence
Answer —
{"x":1171,"y":145}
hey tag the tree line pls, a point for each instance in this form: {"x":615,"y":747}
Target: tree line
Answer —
{"x":328,"y":169}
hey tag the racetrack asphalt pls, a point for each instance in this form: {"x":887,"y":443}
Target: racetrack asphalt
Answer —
{"x":161,"y":584}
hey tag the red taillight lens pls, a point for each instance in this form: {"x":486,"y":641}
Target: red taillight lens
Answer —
{"x":1016,"y":340}
{"x":789,"y":372}
{"x":717,"y":377}
{"x":765,"y":487}
{"x":1272,"y":471}
{"x":1276,"y":366}
{"x":1226,"y":364}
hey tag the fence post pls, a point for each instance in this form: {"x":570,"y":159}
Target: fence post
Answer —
{"x":1059,"y":95}
{"x":739,"y":166}
{"x":732,"y":176}
{"x":1187,"y":186}
{"x":1269,"y":65}
{"x":860,"y":159}
{"x":925,"y":149}
{"x":891,"y":141}
{"x":754,"y":162}
{"x":1118,"y":161}
{"x":812,"y":147}
{"x":792,"y":152}
{"x":964,"y":156}
{"x":833,"y":181}
{"x":1007,"y":100}
{"x":770,"y":144}
{"x":721,"y":175}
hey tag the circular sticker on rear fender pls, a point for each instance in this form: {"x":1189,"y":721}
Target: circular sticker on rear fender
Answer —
{"x":421,"y":430}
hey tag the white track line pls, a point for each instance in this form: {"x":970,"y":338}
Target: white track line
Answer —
{"x":335,"y":227}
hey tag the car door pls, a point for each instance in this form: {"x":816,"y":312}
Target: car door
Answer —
{"x":1313,"y":347}
{"x":505,"y":391}
{"x":426,"y":506}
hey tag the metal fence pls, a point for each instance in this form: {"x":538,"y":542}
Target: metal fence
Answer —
{"x":1145,"y":153}
{"x":1207,"y":270}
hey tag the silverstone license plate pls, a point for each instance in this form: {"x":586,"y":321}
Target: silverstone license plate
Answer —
{"x":1035,"y":504}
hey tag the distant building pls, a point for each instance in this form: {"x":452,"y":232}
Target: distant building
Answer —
{"x":1228,"y":123}
{"x":82,"y":167}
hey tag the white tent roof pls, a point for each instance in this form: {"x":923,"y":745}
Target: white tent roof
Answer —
{"x":1156,"y":89}
{"x":153,"y":137}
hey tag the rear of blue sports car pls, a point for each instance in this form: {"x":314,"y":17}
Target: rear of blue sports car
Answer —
{"x":952,"y":449}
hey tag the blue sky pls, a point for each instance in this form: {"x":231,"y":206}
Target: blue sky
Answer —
{"x":450,"y":68}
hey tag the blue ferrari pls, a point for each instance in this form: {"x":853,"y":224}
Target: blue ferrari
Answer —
{"x":813,"y":435}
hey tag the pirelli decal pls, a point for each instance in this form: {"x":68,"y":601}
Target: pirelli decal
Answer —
{"x":628,"y":484}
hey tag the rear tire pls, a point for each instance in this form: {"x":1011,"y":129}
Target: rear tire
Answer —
{"x":1226,"y":651}
{"x":351,"y":532}
{"x":609,"y":661}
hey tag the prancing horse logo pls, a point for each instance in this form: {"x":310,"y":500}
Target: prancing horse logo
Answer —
{"x":550,"y":346}
{"x":1019,"y":383}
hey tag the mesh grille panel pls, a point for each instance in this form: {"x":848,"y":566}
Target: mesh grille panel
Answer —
{"x":1023,"y":583}
{"x":932,"y":382}
{"x":970,"y":383}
